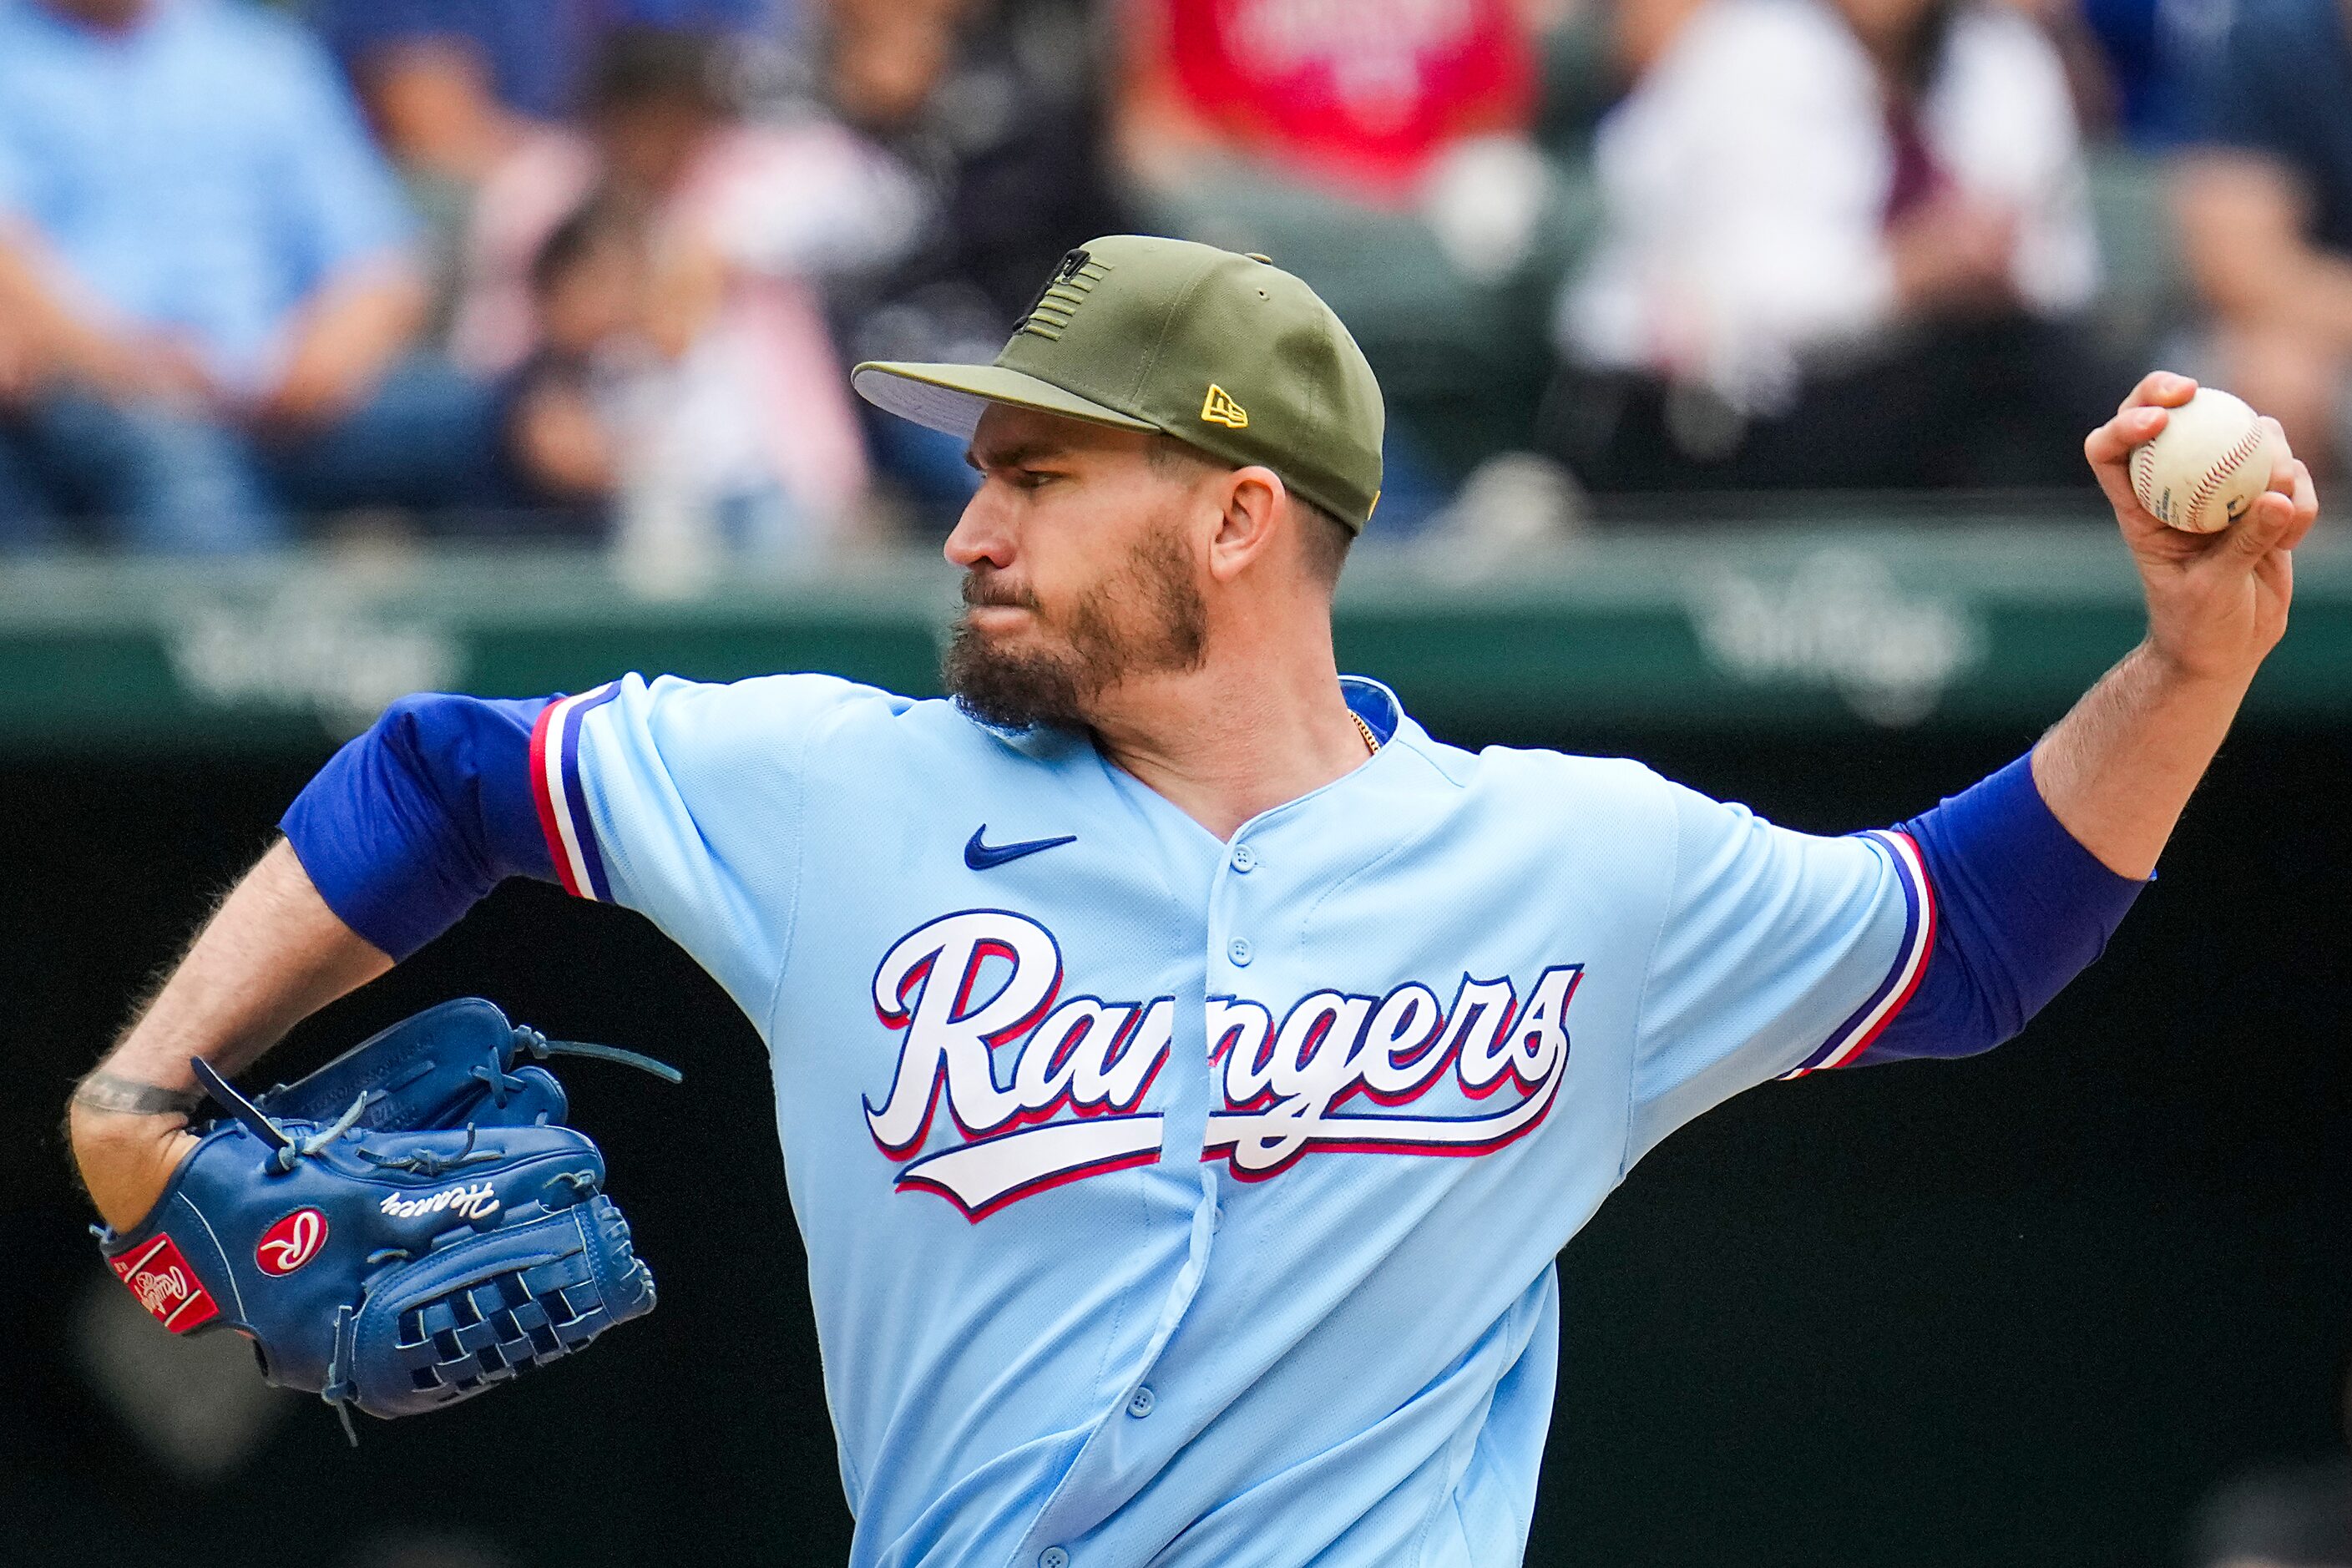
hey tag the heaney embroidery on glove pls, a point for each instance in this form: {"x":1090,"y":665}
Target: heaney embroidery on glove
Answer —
{"x":466,"y":1202}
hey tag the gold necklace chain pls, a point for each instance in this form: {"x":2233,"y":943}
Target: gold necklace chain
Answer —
{"x":1372,"y":742}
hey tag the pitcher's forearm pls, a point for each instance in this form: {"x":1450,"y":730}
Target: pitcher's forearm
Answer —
{"x":271,"y":954}
{"x":2118,"y":770}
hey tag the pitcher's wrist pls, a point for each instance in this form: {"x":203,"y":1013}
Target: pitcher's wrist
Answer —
{"x":2180,"y":669}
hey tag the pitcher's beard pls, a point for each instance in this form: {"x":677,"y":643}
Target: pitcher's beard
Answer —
{"x":1011,"y":691}
{"x":1146,"y":618}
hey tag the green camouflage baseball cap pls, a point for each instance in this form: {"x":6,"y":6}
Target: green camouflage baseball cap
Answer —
{"x":1224,"y":351}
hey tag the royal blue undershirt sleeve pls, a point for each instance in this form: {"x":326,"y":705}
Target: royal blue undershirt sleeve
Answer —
{"x":408,"y":827}
{"x":2021,"y":909}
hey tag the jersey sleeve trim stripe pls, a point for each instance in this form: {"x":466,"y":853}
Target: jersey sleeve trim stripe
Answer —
{"x":1853,"y":1037}
{"x":562,"y":801}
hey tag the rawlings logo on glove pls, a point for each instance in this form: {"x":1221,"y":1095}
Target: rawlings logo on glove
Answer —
{"x":405,"y":1228}
{"x":165,"y":1284}
{"x":291,"y":1242}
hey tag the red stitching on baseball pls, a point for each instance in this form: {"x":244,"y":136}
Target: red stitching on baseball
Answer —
{"x":2224,"y":467}
{"x":2143,"y":476}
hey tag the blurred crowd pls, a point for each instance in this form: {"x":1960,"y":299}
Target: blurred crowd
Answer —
{"x":596,"y":269}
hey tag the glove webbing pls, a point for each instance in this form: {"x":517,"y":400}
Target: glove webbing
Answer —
{"x":487,"y":1331}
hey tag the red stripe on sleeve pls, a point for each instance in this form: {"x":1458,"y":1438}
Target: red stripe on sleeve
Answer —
{"x":541,"y":732}
{"x":1926,"y":948}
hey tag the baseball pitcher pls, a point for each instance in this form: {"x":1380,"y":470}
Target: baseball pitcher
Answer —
{"x":1186,"y":1066}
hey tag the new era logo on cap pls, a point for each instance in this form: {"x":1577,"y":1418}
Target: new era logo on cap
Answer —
{"x":1218,"y":408}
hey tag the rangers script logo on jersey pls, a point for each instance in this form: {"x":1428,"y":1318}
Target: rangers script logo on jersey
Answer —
{"x":1083,"y":1065}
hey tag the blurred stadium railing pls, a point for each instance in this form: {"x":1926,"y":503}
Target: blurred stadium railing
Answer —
{"x":1854,"y":625}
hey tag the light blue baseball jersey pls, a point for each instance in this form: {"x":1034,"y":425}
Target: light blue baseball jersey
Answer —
{"x":1177,"y":1201}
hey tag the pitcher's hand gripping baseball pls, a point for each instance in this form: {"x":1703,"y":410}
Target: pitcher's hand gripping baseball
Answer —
{"x":2218,"y":599}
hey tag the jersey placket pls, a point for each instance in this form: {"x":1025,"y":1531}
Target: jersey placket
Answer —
{"x":1242,"y":916}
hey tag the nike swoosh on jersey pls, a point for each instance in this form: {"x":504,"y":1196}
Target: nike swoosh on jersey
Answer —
{"x":980,"y":856}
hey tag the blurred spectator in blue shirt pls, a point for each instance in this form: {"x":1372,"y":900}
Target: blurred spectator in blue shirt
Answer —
{"x":535,"y":53}
{"x":205,"y":278}
{"x":2264,"y":189}
{"x":2129,"y":36}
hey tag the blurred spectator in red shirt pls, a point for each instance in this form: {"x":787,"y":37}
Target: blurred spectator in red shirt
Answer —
{"x":1400,"y":104}
{"x":2264,"y":191}
{"x":1846,"y":244}
{"x":1422,"y":106}
{"x":1383,"y":150}
{"x":1363,"y":94}
{"x":660,"y":270}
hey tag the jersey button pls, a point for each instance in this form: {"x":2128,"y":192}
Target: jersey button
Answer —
{"x":1139,"y":1404}
{"x":1244,"y":858}
{"x":1053,"y":1557}
{"x":1239,"y":951}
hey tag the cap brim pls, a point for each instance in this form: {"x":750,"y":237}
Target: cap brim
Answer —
{"x":952,"y":397}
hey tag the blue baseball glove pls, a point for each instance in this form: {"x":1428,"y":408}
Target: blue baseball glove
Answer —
{"x":404,"y":1229}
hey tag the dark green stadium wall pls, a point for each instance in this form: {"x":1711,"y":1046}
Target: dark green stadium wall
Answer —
{"x":2023,"y":1310}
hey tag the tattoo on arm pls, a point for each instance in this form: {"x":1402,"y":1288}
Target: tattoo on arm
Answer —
{"x":103,"y":1090}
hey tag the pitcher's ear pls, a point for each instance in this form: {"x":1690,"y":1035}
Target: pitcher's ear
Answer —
{"x":1251,"y":504}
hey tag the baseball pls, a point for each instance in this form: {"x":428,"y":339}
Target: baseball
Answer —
{"x":2213,"y":456}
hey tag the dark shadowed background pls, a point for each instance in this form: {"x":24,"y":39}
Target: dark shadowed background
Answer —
{"x":2027,"y":1309}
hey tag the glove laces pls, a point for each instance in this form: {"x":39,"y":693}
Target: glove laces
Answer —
{"x":286,"y":1148}
{"x":424,"y":1161}
{"x":493,"y":1075}
{"x":541,"y":1048}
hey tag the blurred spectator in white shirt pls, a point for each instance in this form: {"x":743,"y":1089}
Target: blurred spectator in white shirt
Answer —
{"x":717,"y":393}
{"x":2263,"y":190}
{"x":1844,"y":241}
